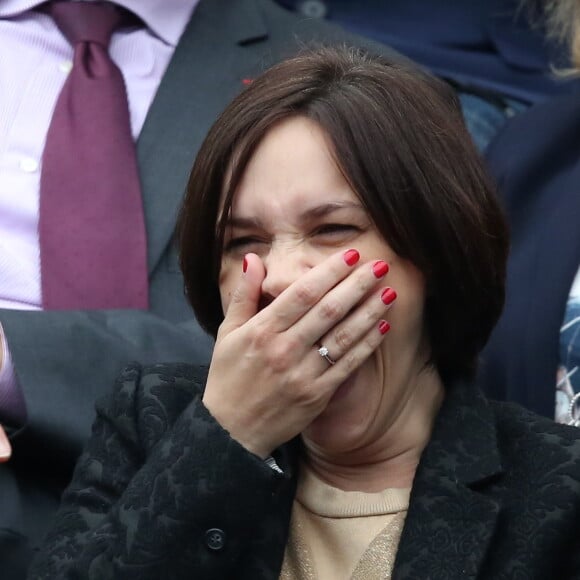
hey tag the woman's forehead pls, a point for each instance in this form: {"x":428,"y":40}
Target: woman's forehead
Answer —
{"x":292,"y":161}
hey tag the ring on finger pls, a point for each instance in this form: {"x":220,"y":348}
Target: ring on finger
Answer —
{"x":323,"y":352}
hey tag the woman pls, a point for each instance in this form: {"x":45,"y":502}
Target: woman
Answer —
{"x":338,"y":191}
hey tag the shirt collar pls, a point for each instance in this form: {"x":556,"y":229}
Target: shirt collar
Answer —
{"x":165,"y":18}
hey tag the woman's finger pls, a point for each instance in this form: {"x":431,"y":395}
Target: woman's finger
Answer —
{"x":346,"y":335}
{"x":300,"y":297}
{"x":352,"y":359}
{"x":245,"y":299}
{"x":350,"y":307}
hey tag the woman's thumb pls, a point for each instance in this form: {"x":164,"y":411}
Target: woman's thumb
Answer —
{"x":244,"y":300}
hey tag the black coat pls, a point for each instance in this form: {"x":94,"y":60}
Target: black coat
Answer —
{"x":162,"y":491}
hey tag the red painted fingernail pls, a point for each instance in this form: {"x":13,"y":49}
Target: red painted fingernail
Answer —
{"x":351,"y":257}
{"x":380,"y":268}
{"x":388,"y":296}
{"x":244,"y":265}
{"x":384,"y":327}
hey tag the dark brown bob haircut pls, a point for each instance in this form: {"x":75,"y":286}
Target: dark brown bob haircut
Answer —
{"x":400,"y":142}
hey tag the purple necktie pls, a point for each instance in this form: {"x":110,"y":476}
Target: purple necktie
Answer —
{"x":93,"y":251}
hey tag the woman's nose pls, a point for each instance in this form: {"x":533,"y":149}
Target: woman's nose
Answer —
{"x":282,"y":269}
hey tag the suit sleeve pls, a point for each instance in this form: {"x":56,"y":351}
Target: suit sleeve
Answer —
{"x":65,"y":360}
{"x":148,"y":497}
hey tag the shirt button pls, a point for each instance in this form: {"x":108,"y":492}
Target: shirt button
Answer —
{"x":215,"y":539}
{"x":28,"y":165}
{"x":65,"y":66}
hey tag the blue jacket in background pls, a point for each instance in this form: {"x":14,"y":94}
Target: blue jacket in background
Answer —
{"x":486,"y":44}
{"x":536,"y":162}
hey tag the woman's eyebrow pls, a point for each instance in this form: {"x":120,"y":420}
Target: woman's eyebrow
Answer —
{"x":330,"y":207}
{"x":317,"y":211}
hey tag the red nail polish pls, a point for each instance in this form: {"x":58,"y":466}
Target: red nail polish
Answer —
{"x":388,"y":296}
{"x":384,"y":327}
{"x":351,"y":257}
{"x":244,"y":265}
{"x":380,"y":268}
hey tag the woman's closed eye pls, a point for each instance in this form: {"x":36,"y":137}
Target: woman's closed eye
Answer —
{"x":334,"y":231}
{"x":242,"y":244}
{"x":330,"y":233}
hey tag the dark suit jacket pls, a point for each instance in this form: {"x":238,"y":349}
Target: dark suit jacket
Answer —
{"x":65,"y":360}
{"x":162,"y":491}
{"x":536,"y":161}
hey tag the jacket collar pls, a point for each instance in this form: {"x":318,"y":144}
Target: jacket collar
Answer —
{"x":451,"y":521}
{"x":214,"y":56}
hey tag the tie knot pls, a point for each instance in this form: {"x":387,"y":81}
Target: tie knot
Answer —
{"x":86,"y":21}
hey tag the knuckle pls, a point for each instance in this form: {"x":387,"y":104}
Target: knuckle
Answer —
{"x":261,"y":337}
{"x":351,"y":360}
{"x":372,"y":312}
{"x":331,"y":310}
{"x":237,"y":295}
{"x":282,"y":354}
{"x":294,"y":343}
{"x":343,"y":338}
{"x":364,"y":283}
{"x":279,"y":358}
{"x":306,"y":294}
{"x":372,"y":341}
{"x":305,"y":395}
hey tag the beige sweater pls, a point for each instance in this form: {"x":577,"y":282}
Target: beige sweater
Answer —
{"x":343,"y":535}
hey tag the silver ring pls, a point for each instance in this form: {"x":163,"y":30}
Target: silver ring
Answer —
{"x":323,"y":352}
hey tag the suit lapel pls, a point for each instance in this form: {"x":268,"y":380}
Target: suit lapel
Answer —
{"x":205,"y":73}
{"x":450,"y":521}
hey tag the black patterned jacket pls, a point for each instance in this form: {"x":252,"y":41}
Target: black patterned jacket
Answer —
{"x":162,"y":492}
